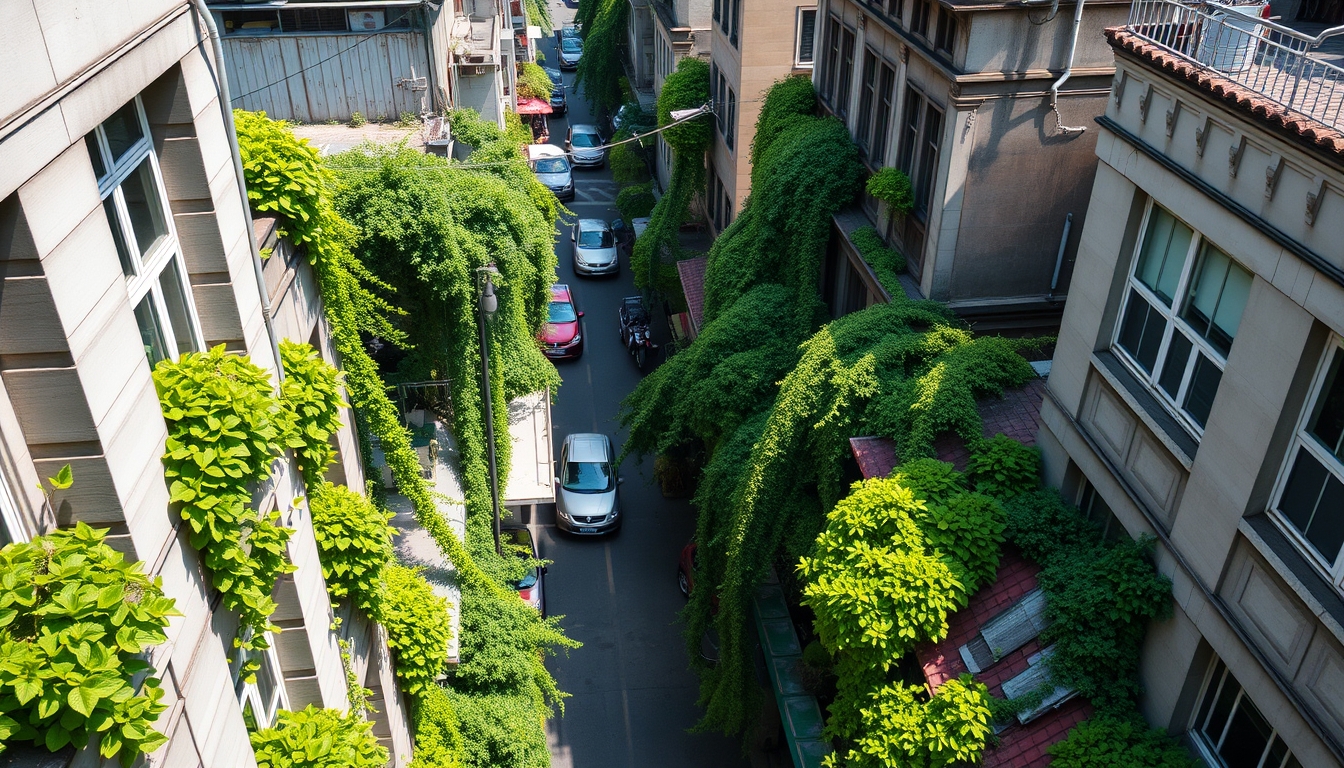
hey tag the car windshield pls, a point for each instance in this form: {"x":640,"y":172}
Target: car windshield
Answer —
{"x":561,"y":312}
{"x":527,"y":581}
{"x":556,"y":77}
{"x":552,"y":165}
{"x":587,"y":477}
{"x":571,"y":45}
{"x":595,"y":238}
{"x":585,"y":140}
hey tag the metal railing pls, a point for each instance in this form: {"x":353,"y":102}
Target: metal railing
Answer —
{"x":1279,"y":63}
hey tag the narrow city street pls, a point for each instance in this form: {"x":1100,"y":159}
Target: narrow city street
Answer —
{"x":633,"y":693}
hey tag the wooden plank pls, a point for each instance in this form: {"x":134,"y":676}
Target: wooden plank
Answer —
{"x":333,"y":83}
{"x":312,"y":78}
{"x":299,"y":98}
{"x":349,"y":61}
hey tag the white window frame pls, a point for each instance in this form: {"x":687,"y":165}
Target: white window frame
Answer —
{"x":263,"y":712}
{"x":15,"y":529}
{"x":798,"y":62}
{"x":1334,"y":569}
{"x":150,"y":266}
{"x":1172,"y":315}
{"x":1209,"y":751}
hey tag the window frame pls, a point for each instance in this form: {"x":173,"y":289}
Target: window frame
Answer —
{"x":1172,"y":315}
{"x":150,"y":267}
{"x":885,"y":108}
{"x":798,"y":61}
{"x":945,"y":38}
{"x":868,"y":74}
{"x":245,"y":692}
{"x":736,"y":13}
{"x":896,"y":11}
{"x":844,"y":82}
{"x":730,"y":130}
{"x":919,"y":17}
{"x":1216,"y":676}
{"x":1333,"y":569}
{"x":830,"y":57}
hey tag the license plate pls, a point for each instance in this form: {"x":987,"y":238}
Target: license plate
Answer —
{"x":587,"y":530}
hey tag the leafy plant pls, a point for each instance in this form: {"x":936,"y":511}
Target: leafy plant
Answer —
{"x":417,"y":627}
{"x":354,"y":541}
{"x":603,"y":24}
{"x":281,"y":177}
{"x":318,"y":738}
{"x":886,"y":263}
{"x":408,"y":120}
{"x":438,"y":742}
{"x":1105,"y":742}
{"x":900,"y":730}
{"x":311,"y":389}
{"x":892,"y":186}
{"x":490,"y":736}
{"x":968,"y":528}
{"x":357,"y":119}
{"x":1003,"y":467}
{"x":75,"y":619}
{"x":533,"y":81}
{"x":789,"y":102}
{"x":628,"y":165}
{"x":225,"y":428}
{"x":930,"y":479}
{"x":635,"y":201}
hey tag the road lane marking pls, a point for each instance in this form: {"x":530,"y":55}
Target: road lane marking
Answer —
{"x":629,"y":736}
{"x":611,"y":579}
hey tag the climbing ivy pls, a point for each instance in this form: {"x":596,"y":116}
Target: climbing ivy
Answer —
{"x":75,"y":622}
{"x":225,"y":429}
{"x":533,"y":80}
{"x":318,"y":738}
{"x":311,"y":391}
{"x":886,"y":263}
{"x":603,"y":25}
{"x":354,"y":542}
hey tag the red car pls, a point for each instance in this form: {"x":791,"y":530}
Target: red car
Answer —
{"x":561,"y":338}
{"x":686,"y":565}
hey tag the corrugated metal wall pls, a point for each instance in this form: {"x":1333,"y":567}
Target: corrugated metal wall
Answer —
{"x":349,"y":73}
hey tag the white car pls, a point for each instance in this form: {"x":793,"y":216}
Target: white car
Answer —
{"x":594,"y":248}
{"x":585,"y":146}
{"x":551,"y":167}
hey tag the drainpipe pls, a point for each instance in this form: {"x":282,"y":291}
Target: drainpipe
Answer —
{"x":1068,"y":70}
{"x":226,"y":109}
{"x":1059,"y":257}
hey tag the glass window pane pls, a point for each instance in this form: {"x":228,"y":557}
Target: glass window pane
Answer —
{"x":1327,"y":423}
{"x":118,"y":237}
{"x":807,"y":23}
{"x":266,"y":685}
{"x":1247,"y":737}
{"x":1203,"y":386}
{"x":1173,"y":368}
{"x":150,"y":334}
{"x":1222,"y":709}
{"x":1277,"y":752}
{"x":95,"y":155}
{"x":1210,"y":693}
{"x":1141,"y":331}
{"x":1313,"y":501}
{"x":1227,"y":318}
{"x":144,"y":206}
{"x":123,"y":130}
{"x":1216,"y":297}
{"x":1162,"y":257}
{"x":249,"y":717}
{"x":177,"y":303}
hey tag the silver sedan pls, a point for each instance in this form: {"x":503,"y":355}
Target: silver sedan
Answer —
{"x":594,"y":248}
{"x":587,"y":501}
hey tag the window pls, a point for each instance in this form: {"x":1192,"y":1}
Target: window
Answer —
{"x":1181,"y":314}
{"x":845,"y":73}
{"x":919,"y":18}
{"x":12,"y":528}
{"x":734,"y":16}
{"x":896,"y":9}
{"x":921,"y":136}
{"x":718,"y":15}
{"x":730,"y":129}
{"x":712,"y":198}
{"x":886,"y":91}
{"x":1310,"y":498}
{"x":1230,"y":731}
{"x":717,"y":90}
{"x":263,"y":697}
{"x":807,"y":33}
{"x":947,"y":31}
{"x":867,"y":96}
{"x":1096,"y":509}
{"x":832,"y":49}
{"x":142,"y":231}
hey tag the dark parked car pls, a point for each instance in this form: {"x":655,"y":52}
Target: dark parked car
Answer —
{"x":530,"y":586}
{"x":558,"y":104}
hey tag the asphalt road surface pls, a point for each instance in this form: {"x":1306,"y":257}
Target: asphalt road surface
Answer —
{"x":633,"y":693}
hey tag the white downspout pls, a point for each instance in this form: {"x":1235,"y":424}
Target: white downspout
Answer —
{"x":222,"y":81}
{"x":1068,"y":70}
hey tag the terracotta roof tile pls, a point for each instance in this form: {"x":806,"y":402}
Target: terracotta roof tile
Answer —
{"x":692,"y":272}
{"x":1237,"y":97}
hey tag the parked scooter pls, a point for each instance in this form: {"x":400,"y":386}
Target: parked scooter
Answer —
{"x":635,"y":334}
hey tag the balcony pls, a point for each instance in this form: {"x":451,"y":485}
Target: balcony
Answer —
{"x":1295,"y":70}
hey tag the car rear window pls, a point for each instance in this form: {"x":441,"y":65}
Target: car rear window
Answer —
{"x":595,"y":238}
{"x":561,"y":312}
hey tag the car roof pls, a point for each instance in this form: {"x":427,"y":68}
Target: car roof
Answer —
{"x":588,"y":446}
{"x":583,"y":128}
{"x":560,"y":292}
{"x":536,"y":151}
{"x":590,"y":224}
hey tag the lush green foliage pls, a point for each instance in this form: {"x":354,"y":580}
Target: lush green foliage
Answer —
{"x":311,"y":390}
{"x":604,"y":29}
{"x":490,"y":733}
{"x":354,"y":541}
{"x":75,"y":621}
{"x":1002,"y":467}
{"x":438,"y":742}
{"x":903,"y":728}
{"x":417,"y":627}
{"x":499,"y":153}
{"x":628,"y":163}
{"x":886,"y":263}
{"x":968,"y":529}
{"x":929,"y":479}
{"x":539,"y":13}
{"x":280,"y":179}
{"x":1105,"y":742}
{"x":318,"y":738}
{"x":635,"y":201}
{"x":686,"y":88}
{"x":225,"y":428}
{"x":892,"y":186}
{"x":789,"y":102}
{"x":533,"y":81}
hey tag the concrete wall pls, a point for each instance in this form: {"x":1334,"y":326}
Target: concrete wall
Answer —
{"x":1243,"y":590}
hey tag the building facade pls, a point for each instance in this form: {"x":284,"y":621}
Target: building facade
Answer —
{"x":959,"y":96}
{"x":680,"y":29}
{"x":1197,"y":390}
{"x":125,"y":240}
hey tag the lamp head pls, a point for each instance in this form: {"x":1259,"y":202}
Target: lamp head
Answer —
{"x":489,"y":301}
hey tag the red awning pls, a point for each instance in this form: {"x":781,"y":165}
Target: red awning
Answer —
{"x":530,"y":106}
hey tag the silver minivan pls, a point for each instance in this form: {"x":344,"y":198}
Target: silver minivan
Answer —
{"x":586,"y":499}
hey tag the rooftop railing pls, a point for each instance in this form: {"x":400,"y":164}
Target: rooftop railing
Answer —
{"x":1275,"y":61}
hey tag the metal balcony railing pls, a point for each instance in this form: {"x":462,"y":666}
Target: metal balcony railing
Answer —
{"x":1275,"y":61}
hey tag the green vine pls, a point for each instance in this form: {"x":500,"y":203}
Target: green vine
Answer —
{"x":225,"y":428}
{"x":418,"y":628}
{"x":533,"y":81}
{"x":892,"y":186}
{"x":356,"y":693}
{"x":603,"y":26}
{"x":311,"y":389}
{"x":75,"y":622}
{"x":354,"y":542}
{"x":318,"y":738}
{"x":635,"y":201}
{"x":886,"y":263}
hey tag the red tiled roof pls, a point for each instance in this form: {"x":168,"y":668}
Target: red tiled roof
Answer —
{"x":1015,"y":415}
{"x":1239,"y":98}
{"x":692,"y":272}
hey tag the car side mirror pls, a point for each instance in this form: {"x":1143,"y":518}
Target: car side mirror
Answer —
{"x":620,"y":481}
{"x":580,"y":313}
{"x":543,"y":570}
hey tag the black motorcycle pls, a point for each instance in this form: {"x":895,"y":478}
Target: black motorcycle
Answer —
{"x":635,"y":333}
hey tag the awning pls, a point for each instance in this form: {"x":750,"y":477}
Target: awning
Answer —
{"x":530,"y":106}
{"x":531,"y":477}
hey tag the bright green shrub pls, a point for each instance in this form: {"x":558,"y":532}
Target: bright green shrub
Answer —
{"x":1045,"y":527}
{"x":968,"y":528}
{"x":417,"y":627}
{"x":628,"y":166}
{"x":787,"y":102}
{"x":686,"y":88}
{"x":534,"y":82}
{"x":75,"y":621}
{"x":635,"y":201}
{"x":886,"y":263}
{"x":225,"y":427}
{"x":902,"y":730}
{"x":318,"y":738}
{"x":1104,"y":742}
{"x":490,"y":736}
{"x":1003,"y":467}
{"x":283,"y":175}
{"x":930,"y":479}
{"x":892,"y":186}
{"x":311,"y":389}
{"x":438,"y":742}
{"x":354,"y":541}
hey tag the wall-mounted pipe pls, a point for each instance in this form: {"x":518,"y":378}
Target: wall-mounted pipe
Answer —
{"x":1059,"y":257}
{"x":1068,"y":70}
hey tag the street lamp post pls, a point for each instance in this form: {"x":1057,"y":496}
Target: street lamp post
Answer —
{"x":486,"y":309}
